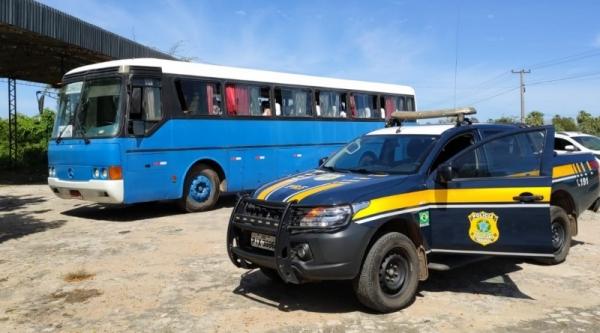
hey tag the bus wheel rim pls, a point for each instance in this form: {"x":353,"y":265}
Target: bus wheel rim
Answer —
{"x":200,"y":188}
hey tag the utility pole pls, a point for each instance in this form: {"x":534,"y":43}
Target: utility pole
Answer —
{"x":521,"y":72}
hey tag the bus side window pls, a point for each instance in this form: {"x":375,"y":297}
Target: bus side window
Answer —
{"x":247,"y":100}
{"x":365,"y":106}
{"x":146,"y":104}
{"x":199,"y":98}
{"x":293,"y":102}
{"x":410,"y":104}
{"x":329,"y":103}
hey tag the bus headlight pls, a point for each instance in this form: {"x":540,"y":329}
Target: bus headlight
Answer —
{"x":104,"y":173}
{"x":96,"y":173}
{"x":51,"y":172}
{"x":321,"y":217}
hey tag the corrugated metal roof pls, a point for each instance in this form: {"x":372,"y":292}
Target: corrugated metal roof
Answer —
{"x":35,"y":17}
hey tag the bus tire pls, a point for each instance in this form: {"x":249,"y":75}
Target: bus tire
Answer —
{"x":200,"y":190}
{"x":560,"y":227}
{"x":389,"y":276}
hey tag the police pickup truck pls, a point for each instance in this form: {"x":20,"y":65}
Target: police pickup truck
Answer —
{"x":384,"y":206}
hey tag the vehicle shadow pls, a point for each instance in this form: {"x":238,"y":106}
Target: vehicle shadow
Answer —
{"x":15,"y":223}
{"x":136,"y":212}
{"x":488,"y":277}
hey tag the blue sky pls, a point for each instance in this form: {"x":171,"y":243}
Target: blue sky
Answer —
{"x":404,"y":42}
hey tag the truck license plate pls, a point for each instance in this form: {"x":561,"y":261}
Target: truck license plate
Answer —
{"x":261,"y":241}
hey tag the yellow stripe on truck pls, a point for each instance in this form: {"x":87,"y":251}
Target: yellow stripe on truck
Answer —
{"x":303,"y":194}
{"x":264,"y":193}
{"x":563,"y":171}
{"x":445,"y":196}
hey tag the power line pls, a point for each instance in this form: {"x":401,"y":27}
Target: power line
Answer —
{"x":571,"y":77}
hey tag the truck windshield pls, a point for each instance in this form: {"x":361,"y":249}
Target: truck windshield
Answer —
{"x":89,"y":108}
{"x":589,"y":142}
{"x":397,"y":154}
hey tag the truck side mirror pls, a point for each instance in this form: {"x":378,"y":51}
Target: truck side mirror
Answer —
{"x":322,"y":160}
{"x":444,"y":174}
{"x":570,"y":148}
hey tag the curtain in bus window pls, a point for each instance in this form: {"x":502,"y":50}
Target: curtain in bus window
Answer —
{"x":254,"y":101}
{"x":209,"y":98}
{"x":410,"y":104}
{"x":364,"y":105}
{"x":300,"y":102}
{"x":390,"y":105}
{"x":327,"y":103}
{"x":401,"y":104}
{"x":230,"y":99}
{"x":352,"y":106}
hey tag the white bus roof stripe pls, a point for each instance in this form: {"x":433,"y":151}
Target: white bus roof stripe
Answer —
{"x":254,"y":75}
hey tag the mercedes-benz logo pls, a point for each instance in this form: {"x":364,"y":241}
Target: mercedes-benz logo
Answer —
{"x":70,"y":173}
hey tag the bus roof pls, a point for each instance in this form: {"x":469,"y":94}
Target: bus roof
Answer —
{"x":253,"y":75}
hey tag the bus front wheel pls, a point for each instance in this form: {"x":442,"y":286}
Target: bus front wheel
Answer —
{"x":200,"y":190}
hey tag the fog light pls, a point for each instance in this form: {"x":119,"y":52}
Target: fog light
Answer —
{"x":303,"y":252}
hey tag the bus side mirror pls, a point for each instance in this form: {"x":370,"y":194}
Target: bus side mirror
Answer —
{"x":444,"y":174}
{"x":322,"y":160}
{"x":40,"y":100}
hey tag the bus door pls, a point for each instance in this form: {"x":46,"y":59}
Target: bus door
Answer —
{"x":147,"y":156}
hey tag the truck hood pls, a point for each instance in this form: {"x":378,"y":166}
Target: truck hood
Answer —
{"x":319,"y":187}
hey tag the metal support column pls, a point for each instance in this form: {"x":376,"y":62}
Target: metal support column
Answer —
{"x":12,"y":121}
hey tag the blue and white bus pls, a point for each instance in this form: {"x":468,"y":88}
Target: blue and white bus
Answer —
{"x":142,"y":130}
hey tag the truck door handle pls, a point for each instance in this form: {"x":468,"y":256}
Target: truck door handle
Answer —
{"x":528,"y":197}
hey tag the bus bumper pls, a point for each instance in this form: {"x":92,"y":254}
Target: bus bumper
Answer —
{"x":104,"y":191}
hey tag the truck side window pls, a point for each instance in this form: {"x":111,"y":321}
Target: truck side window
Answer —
{"x":453,"y":147}
{"x":560,"y":144}
{"x":509,"y":156}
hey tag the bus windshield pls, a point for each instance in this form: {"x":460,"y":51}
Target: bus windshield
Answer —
{"x":396,"y":154}
{"x":89,"y":109}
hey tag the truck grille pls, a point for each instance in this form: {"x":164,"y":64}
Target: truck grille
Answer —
{"x":259,"y":213}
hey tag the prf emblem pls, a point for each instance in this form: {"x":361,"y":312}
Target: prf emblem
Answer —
{"x":484,"y":228}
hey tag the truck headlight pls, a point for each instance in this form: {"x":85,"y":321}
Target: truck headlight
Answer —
{"x":321,"y":217}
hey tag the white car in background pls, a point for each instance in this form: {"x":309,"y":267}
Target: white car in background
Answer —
{"x":577,"y":141}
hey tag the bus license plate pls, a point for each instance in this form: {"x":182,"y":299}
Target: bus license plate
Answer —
{"x":261,"y":241}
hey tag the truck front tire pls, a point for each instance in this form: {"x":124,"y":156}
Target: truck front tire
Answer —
{"x":389,"y":276}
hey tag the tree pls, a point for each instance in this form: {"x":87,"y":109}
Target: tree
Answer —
{"x":562,"y":124}
{"x":505,"y":120}
{"x":534,"y":118}
{"x":587,"y":123}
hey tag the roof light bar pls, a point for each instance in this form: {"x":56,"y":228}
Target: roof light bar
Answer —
{"x":460,"y":113}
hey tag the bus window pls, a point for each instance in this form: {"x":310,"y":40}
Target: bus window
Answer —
{"x":145,"y":103}
{"x":247,"y":100}
{"x":293,"y":102}
{"x":329,"y":103}
{"x":392,"y":104}
{"x":365,"y":106}
{"x":410,"y":104}
{"x":199,"y":97}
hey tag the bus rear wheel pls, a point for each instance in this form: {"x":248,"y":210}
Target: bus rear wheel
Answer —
{"x":200,"y":190}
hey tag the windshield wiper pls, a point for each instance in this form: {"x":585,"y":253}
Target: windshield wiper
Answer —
{"x":365,"y":171}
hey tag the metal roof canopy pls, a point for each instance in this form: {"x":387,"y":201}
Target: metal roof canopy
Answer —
{"x":39,"y":43}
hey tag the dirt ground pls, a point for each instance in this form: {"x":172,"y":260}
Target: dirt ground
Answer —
{"x":72,"y":266}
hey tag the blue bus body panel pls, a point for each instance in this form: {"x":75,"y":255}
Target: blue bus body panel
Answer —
{"x":74,"y":160}
{"x":249,"y":152}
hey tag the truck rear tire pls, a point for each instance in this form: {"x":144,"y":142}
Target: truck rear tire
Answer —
{"x":389,"y":276}
{"x":200,"y":190}
{"x":561,"y":235}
